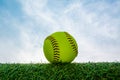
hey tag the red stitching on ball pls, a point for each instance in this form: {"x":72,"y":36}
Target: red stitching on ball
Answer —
{"x":55,"y":48}
{"x":71,"y":41}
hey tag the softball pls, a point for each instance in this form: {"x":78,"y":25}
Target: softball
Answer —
{"x":60,"y":47}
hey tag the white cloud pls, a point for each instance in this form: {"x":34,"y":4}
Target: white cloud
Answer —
{"x":36,"y":11}
{"x":72,"y":7}
{"x":35,"y":55}
{"x":8,"y":51}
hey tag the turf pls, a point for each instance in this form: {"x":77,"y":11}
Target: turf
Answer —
{"x":73,"y":71}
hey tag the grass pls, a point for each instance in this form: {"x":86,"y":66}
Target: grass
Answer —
{"x":73,"y":71}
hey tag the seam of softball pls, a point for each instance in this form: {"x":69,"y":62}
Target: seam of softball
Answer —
{"x":72,"y":43}
{"x":56,"y":48}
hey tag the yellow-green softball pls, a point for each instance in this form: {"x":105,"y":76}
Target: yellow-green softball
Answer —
{"x":60,"y":47}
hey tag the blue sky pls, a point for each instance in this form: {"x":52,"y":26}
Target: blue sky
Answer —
{"x":24,"y":24}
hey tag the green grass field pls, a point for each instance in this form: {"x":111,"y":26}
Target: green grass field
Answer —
{"x":73,"y":71}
